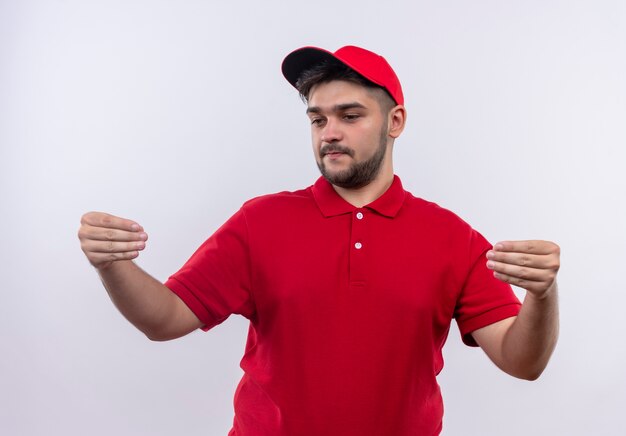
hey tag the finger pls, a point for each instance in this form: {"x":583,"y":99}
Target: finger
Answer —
{"x":101,"y":219}
{"x":521,"y":272}
{"x":107,"y":234}
{"x":98,"y":259}
{"x":524,"y":259}
{"x":529,"y":285}
{"x":530,"y":247}
{"x":90,"y":246}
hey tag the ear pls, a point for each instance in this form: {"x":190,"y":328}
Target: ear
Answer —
{"x":396,"y":121}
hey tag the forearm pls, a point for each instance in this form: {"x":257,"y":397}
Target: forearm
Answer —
{"x":145,"y":302}
{"x":531,"y":339}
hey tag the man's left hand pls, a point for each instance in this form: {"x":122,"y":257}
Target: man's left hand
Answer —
{"x":531,"y":265}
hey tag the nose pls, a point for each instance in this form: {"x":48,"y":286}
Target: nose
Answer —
{"x":331,"y":131}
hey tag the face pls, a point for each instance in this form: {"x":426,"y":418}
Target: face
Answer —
{"x":349,"y":132}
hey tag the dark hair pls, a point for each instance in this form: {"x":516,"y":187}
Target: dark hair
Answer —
{"x":326,"y":71}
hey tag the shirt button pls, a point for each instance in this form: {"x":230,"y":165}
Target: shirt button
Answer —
{"x":359,"y":216}
{"x":358,"y":245}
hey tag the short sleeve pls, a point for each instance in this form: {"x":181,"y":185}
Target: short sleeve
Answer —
{"x":484,"y":299}
{"x":215,"y":281}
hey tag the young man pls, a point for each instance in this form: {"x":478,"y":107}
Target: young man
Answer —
{"x":350,"y":285}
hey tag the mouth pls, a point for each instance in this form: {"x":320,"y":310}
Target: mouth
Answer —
{"x":333,"y":155}
{"x":335,"y":151}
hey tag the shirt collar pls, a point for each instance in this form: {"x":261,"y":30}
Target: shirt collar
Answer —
{"x":331,"y":203}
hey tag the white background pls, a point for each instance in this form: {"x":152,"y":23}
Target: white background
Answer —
{"x":173,"y":113}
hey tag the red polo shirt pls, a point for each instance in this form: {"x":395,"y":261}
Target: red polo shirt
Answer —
{"x":349,"y":308}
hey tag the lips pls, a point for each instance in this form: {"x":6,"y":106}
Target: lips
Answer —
{"x":334,"y":151}
{"x":333,"y":155}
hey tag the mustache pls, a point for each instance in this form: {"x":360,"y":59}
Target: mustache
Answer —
{"x":336,"y":148}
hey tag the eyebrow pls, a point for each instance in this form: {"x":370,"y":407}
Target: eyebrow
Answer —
{"x":336,"y":108}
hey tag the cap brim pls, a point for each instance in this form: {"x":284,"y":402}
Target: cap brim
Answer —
{"x":303,"y":58}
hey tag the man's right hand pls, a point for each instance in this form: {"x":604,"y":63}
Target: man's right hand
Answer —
{"x":106,"y":239}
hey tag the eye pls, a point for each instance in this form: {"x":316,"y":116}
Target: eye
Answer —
{"x":351,"y":117}
{"x":317,"y":121}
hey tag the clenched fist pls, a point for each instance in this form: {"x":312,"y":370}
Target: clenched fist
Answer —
{"x":106,"y":238}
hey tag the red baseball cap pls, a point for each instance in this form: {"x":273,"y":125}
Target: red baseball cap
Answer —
{"x":368,"y":64}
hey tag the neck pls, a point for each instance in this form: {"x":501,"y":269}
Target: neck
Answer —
{"x":359,"y":197}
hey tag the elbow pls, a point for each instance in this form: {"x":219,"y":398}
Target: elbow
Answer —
{"x":528,"y":374}
{"x":156,"y":336}
{"x":164,"y":332}
{"x":531,"y":376}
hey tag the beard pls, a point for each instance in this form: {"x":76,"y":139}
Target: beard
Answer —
{"x":359,"y":174}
